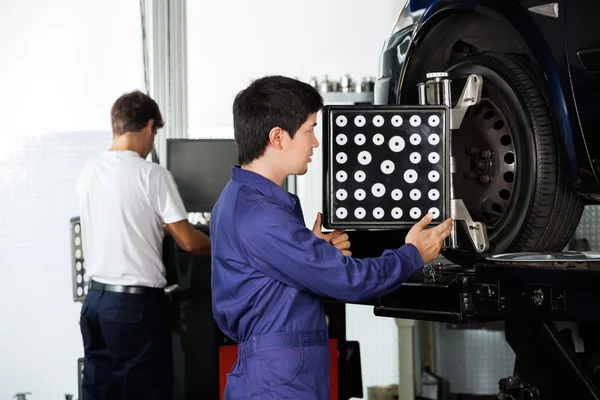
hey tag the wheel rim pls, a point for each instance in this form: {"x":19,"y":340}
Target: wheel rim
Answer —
{"x":486,"y":164}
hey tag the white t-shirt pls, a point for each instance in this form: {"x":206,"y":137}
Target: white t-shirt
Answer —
{"x":123,"y":202}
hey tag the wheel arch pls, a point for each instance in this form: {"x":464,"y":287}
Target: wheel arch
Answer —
{"x":452,"y":32}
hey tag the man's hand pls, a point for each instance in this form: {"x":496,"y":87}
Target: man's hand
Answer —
{"x":429,"y":241}
{"x":337,"y":238}
{"x":189,"y":238}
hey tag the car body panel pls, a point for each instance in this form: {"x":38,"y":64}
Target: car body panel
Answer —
{"x":583,"y":52}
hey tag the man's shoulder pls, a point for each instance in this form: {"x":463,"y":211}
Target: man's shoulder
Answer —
{"x":154,"y":169}
{"x":254,"y":209}
{"x":88,"y":168}
{"x":148,"y":170}
{"x":245,"y":202}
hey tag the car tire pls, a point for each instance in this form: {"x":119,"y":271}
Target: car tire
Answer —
{"x":525,"y":201}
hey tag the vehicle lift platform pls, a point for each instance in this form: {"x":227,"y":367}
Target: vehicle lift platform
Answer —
{"x":363,"y":146}
{"x":529,"y":292}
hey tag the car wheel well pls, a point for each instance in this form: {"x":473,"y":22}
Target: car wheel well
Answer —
{"x":450,"y":38}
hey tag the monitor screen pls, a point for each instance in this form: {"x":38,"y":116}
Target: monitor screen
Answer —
{"x":201,"y":168}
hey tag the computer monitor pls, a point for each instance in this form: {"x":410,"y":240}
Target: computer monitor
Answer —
{"x":201,"y":168}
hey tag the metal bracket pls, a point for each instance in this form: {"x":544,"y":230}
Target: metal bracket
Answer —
{"x":437,"y":90}
{"x":470,"y":96}
{"x":476,"y":230}
{"x":171,"y":290}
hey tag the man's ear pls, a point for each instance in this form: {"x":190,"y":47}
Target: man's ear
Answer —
{"x":149,"y":126}
{"x":276,"y":137}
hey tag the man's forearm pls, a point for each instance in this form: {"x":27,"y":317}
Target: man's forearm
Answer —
{"x":201,"y":244}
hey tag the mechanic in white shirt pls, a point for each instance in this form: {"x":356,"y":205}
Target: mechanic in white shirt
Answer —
{"x":126,"y":203}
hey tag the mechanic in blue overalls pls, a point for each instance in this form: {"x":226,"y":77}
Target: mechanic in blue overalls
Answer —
{"x":269,"y":271}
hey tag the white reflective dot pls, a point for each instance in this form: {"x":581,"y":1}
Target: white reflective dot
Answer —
{"x":415,"y":194}
{"x":86,"y":289}
{"x":341,"y":158}
{"x":433,"y":139}
{"x":378,"y":213}
{"x":387,"y":167}
{"x":434,"y":120}
{"x":378,"y":190}
{"x":378,"y":120}
{"x":77,"y":253}
{"x":360,"y":213}
{"x":396,"y":213}
{"x":434,"y":176}
{"x":79,"y":278}
{"x":85,"y":276}
{"x":360,"y":176}
{"x":364,"y":157}
{"x":415,"y":120}
{"x":434,"y":194}
{"x":341,"y":176}
{"x":341,"y":139}
{"x":341,"y":195}
{"x":341,"y":121}
{"x":415,"y":139}
{"x":360,"y":139}
{"x":378,"y":139}
{"x":415,"y":158}
{"x":77,"y":241}
{"x":396,"y":144}
{"x":396,"y":120}
{"x":341,"y":213}
{"x":433,"y":158}
{"x":78,"y":265}
{"x":360,"y":194}
{"x":415,"y":213}
{"x":77,"y":228}
{"x":360,"y":121}
{"x":79,"y":291}
{"x":434,"y":211}
{"x":410,"y":176}
{"x":396,"y":194}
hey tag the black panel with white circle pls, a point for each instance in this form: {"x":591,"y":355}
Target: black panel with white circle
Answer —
{"x":341,"y":139}
{"x":79,"y":273}
{"x":360,"y":194}
{"x":378,"y":139}
{"x":360,"y":139}
{"x":385,"y":166}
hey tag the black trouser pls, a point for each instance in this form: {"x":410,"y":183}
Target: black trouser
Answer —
{"x":127,"y":343}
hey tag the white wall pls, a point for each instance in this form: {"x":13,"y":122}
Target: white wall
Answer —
{"x":63,"y":63}
{"x":232,"y":42}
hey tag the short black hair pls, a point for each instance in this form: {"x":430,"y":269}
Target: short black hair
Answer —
{"x":269,"y":102}
{"x":132,"y":111}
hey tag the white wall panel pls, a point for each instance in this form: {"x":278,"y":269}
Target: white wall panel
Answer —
{"x":63,"y":64}
{"x":232,"y":42}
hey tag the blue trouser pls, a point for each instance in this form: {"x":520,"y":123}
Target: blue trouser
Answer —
{"x":287,"y":365}
{"x":127,"y":344}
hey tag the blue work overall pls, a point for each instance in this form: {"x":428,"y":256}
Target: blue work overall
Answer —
{"x":269,"y":275}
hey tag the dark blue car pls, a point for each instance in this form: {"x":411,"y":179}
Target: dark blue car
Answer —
{"x":528,"y":156}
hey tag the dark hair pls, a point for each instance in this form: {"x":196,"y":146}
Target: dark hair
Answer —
{"x":269,"y":102}
{"x":132,"y":111}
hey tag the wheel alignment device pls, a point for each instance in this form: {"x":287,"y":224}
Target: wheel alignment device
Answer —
{"x":352,"y":159}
